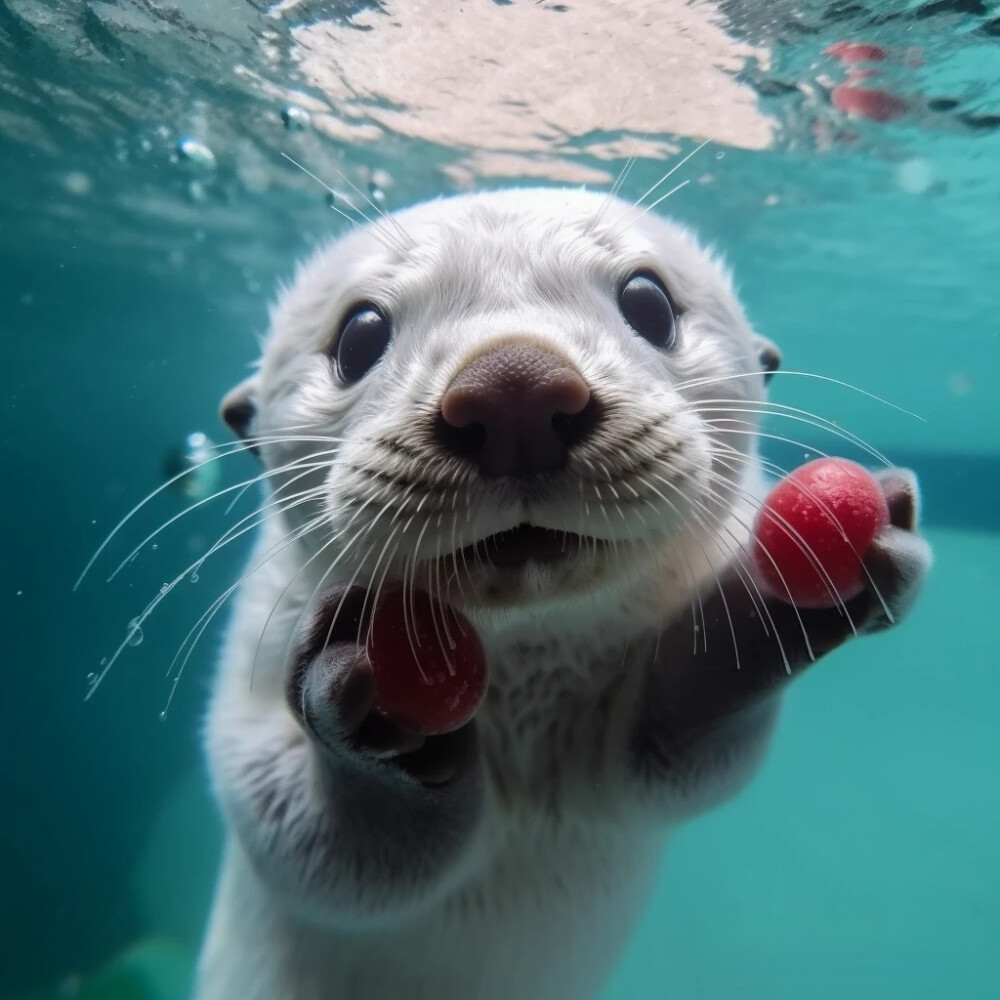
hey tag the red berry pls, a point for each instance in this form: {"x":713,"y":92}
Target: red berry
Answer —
{"x":826,"y":512}
{"x":429,"y":665}
{"x":867,"y":102}
{"x":855,"y":52}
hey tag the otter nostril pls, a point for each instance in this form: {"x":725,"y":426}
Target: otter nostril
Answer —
{"x":572,"y":428}
{"x":464,"y":441}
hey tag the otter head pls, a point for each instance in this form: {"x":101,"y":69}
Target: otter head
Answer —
{"x":519,"y":400}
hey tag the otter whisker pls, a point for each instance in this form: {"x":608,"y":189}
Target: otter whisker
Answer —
{"x":736,"y":552}
{"x":455,"y":552}
{"x":206,"y":500}
{"x":388,"y":217}
{"x":164,"y":591}
{"x":603,"y":509}
{"x":389,"y":240}
{"x":710,"y":380}
{"x":722,"y":422}
{"x":450,"y":644}
{"x":365,"y":529}
{"x":810,"y":420}
{"x":308,"y":602}
{"x":371,"y":578}
{"x":346,"y":550}
{"x":203,"y":622}
{"x":292,"y":537}
{"x":235,"y":448}
{"x":434,"y":581}
{"x":409,"y":612}
{"x":289,"y":466}
{"x":801,"y":544}
{"x":614,"y":189}
{"x":727,"y":426}
{"x":242,"y":527}
{"x":628,"y":214}
{"x":708,"y":560}
{"x":685,"y":564}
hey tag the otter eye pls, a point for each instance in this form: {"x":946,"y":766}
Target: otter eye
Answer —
{"x":362,"y":340}
{"x":648,"y":309}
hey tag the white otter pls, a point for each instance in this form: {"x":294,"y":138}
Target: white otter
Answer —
{"x":542,"y":406}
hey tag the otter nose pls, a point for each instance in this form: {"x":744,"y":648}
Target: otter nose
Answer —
{"x":516,"y":410}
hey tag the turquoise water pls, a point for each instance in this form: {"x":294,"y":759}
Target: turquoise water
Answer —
{"x":136,"y":272}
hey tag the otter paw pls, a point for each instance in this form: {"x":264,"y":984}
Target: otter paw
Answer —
{"x":898,"y":559}
{"x":331,"y":691}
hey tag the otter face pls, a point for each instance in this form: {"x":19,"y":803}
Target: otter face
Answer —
{"x":509,"y":398}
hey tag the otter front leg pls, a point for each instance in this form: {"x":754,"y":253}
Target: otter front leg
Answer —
{"x":341,"y":814}
{"x":711,"y":697}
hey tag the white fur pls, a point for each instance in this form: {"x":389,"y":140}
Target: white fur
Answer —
{"x":541,"y":900}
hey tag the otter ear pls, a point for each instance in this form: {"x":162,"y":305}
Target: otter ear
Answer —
{"x":239,"y":407}
{"x":768,"y":355}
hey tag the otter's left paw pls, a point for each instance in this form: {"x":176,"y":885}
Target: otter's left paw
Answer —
{"x":331,"y":692}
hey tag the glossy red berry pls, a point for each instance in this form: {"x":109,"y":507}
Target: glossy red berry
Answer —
{"x":428,"y":661}
{"x":824,"y":514}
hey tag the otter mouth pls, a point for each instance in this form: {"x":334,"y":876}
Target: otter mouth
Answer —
{"x":526,"y":543}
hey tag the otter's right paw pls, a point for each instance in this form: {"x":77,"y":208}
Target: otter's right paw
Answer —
{"x":331,"y":690}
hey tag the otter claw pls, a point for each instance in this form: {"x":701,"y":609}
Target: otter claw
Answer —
{"x":899,"y":487}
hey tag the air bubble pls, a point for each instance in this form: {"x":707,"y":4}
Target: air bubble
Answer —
{"x":196,"y":153}
{"x":376,"y":194}
{"x":78,"y":183}
{"x":195,"y":458}
{"x":916,"y":175}
{"x":194,"y":577}
{"x":134,"y":636}
{"x":339,"y":200}
{"x":295,"y":118}
{"x":720,"y":155}
{"x":154,"y":546}
{"x":91,"y":678}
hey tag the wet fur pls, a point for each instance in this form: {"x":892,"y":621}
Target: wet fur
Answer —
{"x":616,"y":705}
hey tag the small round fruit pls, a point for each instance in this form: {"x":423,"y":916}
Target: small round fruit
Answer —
{"x":824,"y":514}
{"x":428,"y":661}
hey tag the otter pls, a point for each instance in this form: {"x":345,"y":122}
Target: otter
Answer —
{"x":542,"y":406}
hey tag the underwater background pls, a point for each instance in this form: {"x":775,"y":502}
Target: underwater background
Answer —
{"x":147,"y":214}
